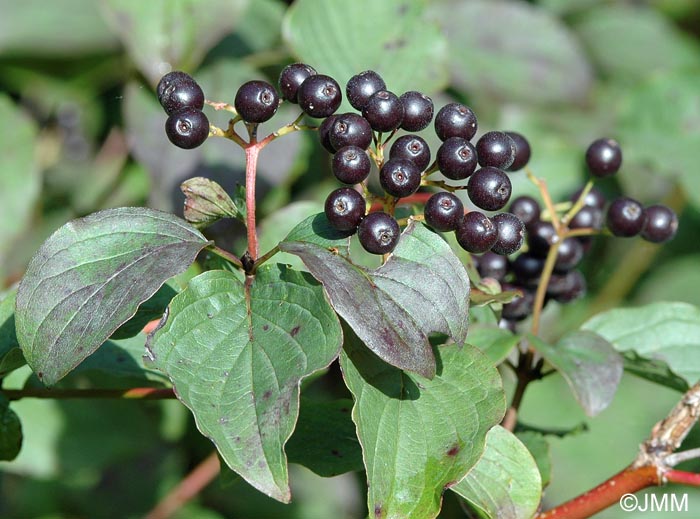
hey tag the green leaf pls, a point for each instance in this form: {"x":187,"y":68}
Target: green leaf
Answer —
{"x":538,"y":446}
{"x":237,"y":353}
{"x":512,"y":50}
{"x":420,"y":436}
{"x":506,"y":482}
{"x":148,"y":311}
{"x":178,"y":33}
{"x":675,"y":280}
{"x":588,"y":363}
{"x":324,"y":439}
{"x":11,"y":356}
{"x":90,"y":277}
{"x":654,"y":370}
{"x":422,"y":288}
{"x":495,"y":342}
{"x":206,"y":202}
{"x":398,"y":42}
{"x":669,"y":332}
{"x":10,"y":431}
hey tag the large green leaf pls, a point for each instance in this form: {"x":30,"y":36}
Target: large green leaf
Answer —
{"x":668,"y":332}
{"x":236,"y":354}
{"x":420,"y":436}
{"x":506,"y":482}
{"x":538,"y":446}
{"x":90,"y":277}
{"x":10,"y":431}
{"x":495,"y":342}
{"x":392,"y":37}
{"x":11,"y":356}
{"x":422,"y":288}
{"x":590,"y":365}
{"x":512,"y":50}
{"x":164,"y":34}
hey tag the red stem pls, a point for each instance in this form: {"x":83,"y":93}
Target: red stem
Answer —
{"x":606,"y":494}
{"x":251,"y":165}
{"x":684,"y":478}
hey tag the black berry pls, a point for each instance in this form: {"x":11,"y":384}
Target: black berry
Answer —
{"x":350,"y":130}
{"x":495,"y":149}
{"x":384,"y":111}
{"x":399,"y":177}
{"x":522,"y":151}
{"x":378,"y":233}
{"x":187,"y":128}
{"x":319,"y":96}
{"x":291,"y":78}
{"x":594,"y":198}
{"x":443,"y":211}
{"x":565,"y":288}
{"x":626,"y":217}
{"x":476,"y":232}
{"x":569,"y":255}
{"x":455,"y":120}
{"x":521,"y":306}
{"x":526,"y":208}
{"x":661,"y":224}
{"x":256,"y":101}
{"x":492,"y":265}
{"x":588,"y":217}
{"x":540,"y":236}
{"x":362,"y":86}
{"x":456,"y":158}
{"x":413,"y":148}
{"x":417,"y":111}
{"x":345,"y":209}
{"x":527,"y":267}
{"x":604,"y":157}
{"x":324,"y":133}
{"x":489,"y":188}
{"x":351,"y":165}
{"x":511,"y":234}
{"x":177,"y":90}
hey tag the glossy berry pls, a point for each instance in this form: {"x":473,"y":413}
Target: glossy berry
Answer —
{"x":456,"y":158}
{"x":345,"y":209}
{"x":362,"y":86}
{"x":604,"y":157}
{"x":413,"y":148}
{"x":495,"y":149}
{"x":526,"y":208}
{"x":417,"y":111}
{"x":187,"y":128}
{"x":625,"y":217}
{"x":384,"y":111}
{"x":291,"y":78}
{"x":587,"y":217}
{"x":378,"y":233}
{"x":319,"y":96}
{"x":661,"y":224}
{"x":527,"y":267}
{"x":522,"y":151}
{"x":492,"y":265}
{"x":569,"y":255}
{"x":351,"y":165}
{"x":256,"y":101}
{"x":521,"y":306}
{"x":455,"y":120}
{"x":511,"y":234}
{"x":567,"y":287}
{"x":540,"y":236}
{"x":324,"y":133}
{"x":443,"y":211}
{"x":350,"y":130}
{"x":594,"y":198}
{"x":476,"y":232}
{"x":177,"y":90}
{"x":489,"y":188}
{"x":399,"y":177}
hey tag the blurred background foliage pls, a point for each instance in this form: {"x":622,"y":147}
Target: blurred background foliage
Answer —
{"x":82,"y":131}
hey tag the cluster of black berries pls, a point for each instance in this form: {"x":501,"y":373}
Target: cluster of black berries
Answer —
{"x":182,"y":99}
{"x":624,"y":217}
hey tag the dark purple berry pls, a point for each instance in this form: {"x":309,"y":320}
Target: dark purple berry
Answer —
{"x":495,"y":149}
{"x":489,"y":188}
{"x":417,"y":111}
{"x":177,"y":90}
{"x":384,"y":111}
{"x":456,"y":158}
{"x":362,"y":86}
{"x":521,"y":306}
{"x":176,"y":76}
{"x":661,"y":224}
{"x":569,"y":255}
{"x":604,"y":157}
{"x":455,"y":120}
{"x":527,"y":267}
{"x":345,"y":209}
{"x":324,"y":133}
{"x":378,"y":233}
{"x":443,"y":211}
{"x":492,"y":265}
{"x":526,"y":208}
{"x":400,"y":177}
{"x":511,"y":234}
{"x":476,"y":232}
{"x":413,"y":148}
{"x":594,"y":198}
{"x":351,"y":165}
{"x":565,"y":288}
{"x":187,"y":128}
{"x":540,"y":236}
{"x":350,"y":130}
{"x":588,"y":217}
{"x":256,"y":101}
{"x":626,"y":217}
{"x":522,"y":151}
{"x":291,"y":78}
{"x":319,"y":96}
